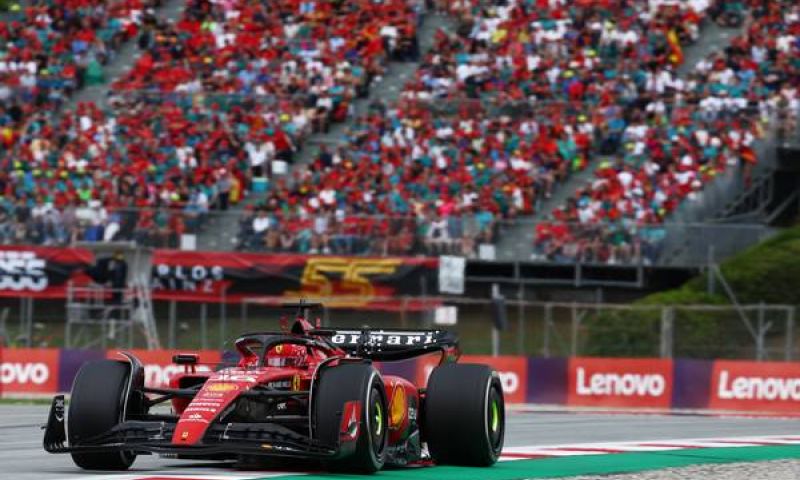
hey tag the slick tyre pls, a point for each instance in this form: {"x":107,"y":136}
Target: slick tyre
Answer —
{"x":346,"y":383}
{"x":464,"y":415}
{"x":96,"y":405}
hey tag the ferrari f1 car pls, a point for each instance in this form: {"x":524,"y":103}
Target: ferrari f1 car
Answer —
{"x":305,"y":393}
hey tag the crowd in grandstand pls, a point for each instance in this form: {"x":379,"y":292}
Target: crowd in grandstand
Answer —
{"x":499,"y":113}
{"x":56,"y":47}
{"x":695,"y":129}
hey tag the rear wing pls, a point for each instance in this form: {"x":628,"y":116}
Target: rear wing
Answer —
{"x":390,"y":344}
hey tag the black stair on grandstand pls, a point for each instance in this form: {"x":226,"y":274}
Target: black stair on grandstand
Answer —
{"x":124,"y":58}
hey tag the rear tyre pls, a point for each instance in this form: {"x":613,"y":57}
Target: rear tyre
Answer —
{"x":96,"y":406}
{"x":464,"y":415}
{"x":346,"y":383}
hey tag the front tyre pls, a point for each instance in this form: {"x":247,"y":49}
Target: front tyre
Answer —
{"x":97,"y":405}
{"x":464,"y":415}
{"x":346,"y":383}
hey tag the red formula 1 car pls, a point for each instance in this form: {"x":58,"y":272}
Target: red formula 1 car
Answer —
{"x":306,"y":393}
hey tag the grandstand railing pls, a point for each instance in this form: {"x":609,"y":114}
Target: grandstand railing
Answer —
{"x":473,"y":236}
{"x":621,"y":243}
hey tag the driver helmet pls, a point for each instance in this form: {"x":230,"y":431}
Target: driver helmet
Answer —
{"x":286,"y":355}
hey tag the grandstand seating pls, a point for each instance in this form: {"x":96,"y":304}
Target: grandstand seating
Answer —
{"x":498,"y":114}
{"x":54,"y":49}
{"x":570,"y":64}
{"x":708,"y":123}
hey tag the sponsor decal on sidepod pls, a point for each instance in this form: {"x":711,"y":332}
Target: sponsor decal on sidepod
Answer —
{"x":222,"y":387}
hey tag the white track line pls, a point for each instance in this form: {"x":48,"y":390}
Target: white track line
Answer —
{"x":185,"y":476}
{"x":580,"y":449}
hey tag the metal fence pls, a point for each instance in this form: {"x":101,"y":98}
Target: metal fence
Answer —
{"x":546,"y":329}
{"x":762,"y":332}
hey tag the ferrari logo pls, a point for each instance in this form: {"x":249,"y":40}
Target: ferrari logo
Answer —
{"x":296,"y":382}
{"x":278,"y":349}
{"x":184,"y":435}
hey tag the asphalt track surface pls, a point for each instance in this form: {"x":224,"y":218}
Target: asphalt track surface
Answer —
{"x":22,"y":457}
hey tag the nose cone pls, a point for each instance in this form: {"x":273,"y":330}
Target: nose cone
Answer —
{"x":206,"y":406}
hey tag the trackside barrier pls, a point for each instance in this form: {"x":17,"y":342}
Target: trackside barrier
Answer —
{"x":576,"y":381}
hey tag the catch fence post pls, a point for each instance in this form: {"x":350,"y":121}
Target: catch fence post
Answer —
{"x":172,"y":324}
{"x":576,"y":323}
{"x":521,"y":320}
{"x":789,"y":347}
{"x":548,"y":321}
{"x":667,"y":331}
{"x":223,"y":318}
{"x":761,"y":333}
{"x":204,"y":325}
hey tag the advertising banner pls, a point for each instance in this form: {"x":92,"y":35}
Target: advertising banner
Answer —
{"x":620,"y":382}
{"x":40,"y":272}
{"x":158,"y":366}
{"x":691,"y":383}
{"x":586,"y":382}
{"x":755,"y":386}
{"x":70,"y":361}
{"x":29,"y":370}
{"x":204,"y":276}
{"x":43,"y":272}
{"x":547,"y":381}
{"x":513,"y":371}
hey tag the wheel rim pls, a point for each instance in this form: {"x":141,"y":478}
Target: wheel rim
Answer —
{"x":378,"y":420}
{"x":494,"y":418}
{"x":378,"y":417}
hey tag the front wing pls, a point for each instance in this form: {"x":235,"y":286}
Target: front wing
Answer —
{"x":155,"y":436}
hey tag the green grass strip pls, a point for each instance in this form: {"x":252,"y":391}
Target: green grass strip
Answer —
{"x":580,"y":465}
{"x":26,"y":401}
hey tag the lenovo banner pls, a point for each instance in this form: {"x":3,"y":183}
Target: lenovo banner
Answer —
{"x":513,"y":372}
{"x":620,"y":382}
{"x":158,"y":366}
{"x":587,"y":382}
{"x":29,"y":370}
{"x":755,"y":386}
